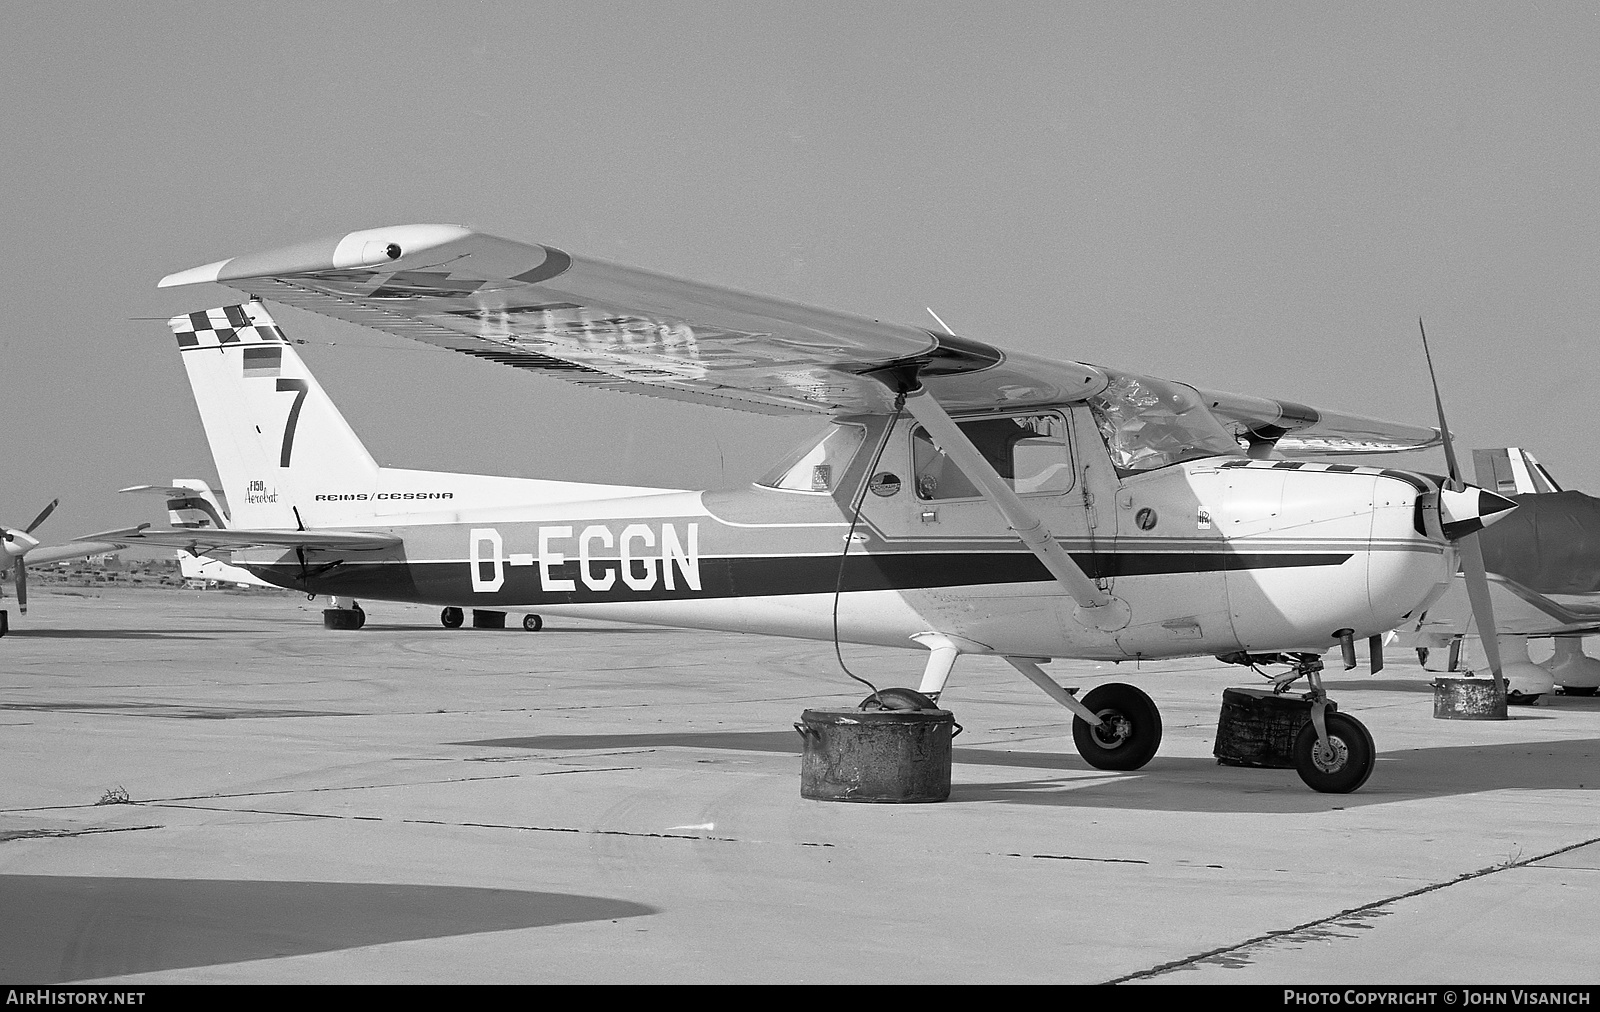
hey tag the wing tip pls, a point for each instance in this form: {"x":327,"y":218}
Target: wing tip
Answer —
{"x":365,"y":248}
{"x":195,"y":275}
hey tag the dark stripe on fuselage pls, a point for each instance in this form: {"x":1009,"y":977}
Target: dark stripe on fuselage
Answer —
{"x":451,"y":582}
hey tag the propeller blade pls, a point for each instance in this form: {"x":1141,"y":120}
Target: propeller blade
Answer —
{"x":1449,"y":448}
{"x":42,"y":515}
{"x":1477,"y":580}
{"x":20,"y":578}
{"x":1465,"y":532}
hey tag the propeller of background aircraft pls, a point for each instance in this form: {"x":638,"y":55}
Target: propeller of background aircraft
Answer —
{"x":1463,"y":533}
{"x":19,"y":543}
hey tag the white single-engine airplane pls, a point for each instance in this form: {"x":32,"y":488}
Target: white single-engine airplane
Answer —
{"x":964,"y":500}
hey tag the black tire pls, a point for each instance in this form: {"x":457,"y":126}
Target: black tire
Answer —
{"x":898,"y":699}
{"x":1522,"y":698}
{"x":1131,"y":731}
{"x":1350,"y":765}
{"x":452,"y":618}
{"x":1579,"y":690}
{"x":361,"y":616}
{"x":532,"y":623}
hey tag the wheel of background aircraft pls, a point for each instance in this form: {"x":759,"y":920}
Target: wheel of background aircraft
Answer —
{"x":898,"y":699}
{"x":1579,"y":690}
{"x":1130,"y":732}
{"x":361,"y":616}
{"x":532,"y":623}
{"x":452,"y":618}
{"x":1515,"y":698}
{"x":1349,"y":765}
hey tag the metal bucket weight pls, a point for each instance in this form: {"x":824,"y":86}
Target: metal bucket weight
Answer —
{"x":883,"y":756}
{"x":1467,"y":699}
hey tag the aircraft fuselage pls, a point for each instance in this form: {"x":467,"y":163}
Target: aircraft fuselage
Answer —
{"x":1211,"y":556}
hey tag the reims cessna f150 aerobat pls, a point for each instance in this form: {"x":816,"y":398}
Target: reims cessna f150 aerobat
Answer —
{"x":963,"y":499}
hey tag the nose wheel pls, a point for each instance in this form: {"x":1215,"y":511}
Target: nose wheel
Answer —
{"x":1340,"y":764}
{"x":1333,"y":752}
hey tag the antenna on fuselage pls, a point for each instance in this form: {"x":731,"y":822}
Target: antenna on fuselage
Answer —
{"x":942,"y":325}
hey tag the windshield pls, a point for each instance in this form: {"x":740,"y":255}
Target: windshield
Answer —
{"x":1149,"y":423}
{"x":816,"y":467}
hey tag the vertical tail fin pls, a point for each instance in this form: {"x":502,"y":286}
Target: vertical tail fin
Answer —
{"x":190,"y":503}
{"x":1512,"y":470}
{"x":278,"y":441}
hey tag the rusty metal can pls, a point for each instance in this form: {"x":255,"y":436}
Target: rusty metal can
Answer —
{"x":883,"y":756}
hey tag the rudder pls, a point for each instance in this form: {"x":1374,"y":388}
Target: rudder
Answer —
{"x":275,"y":435}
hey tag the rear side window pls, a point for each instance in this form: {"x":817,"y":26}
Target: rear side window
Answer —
{"x":818,"y":466}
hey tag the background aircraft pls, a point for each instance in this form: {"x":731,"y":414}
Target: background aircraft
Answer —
{"x":1543,"y":563}
{"x":1067,"y":510}
{"x":22,"y":550}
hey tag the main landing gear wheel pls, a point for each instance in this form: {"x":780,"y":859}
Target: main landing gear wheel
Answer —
{"x":1344,"y":764}
{"x":452,"y":618}
{"x":1129,"y":732}
{"x":532,"y":623}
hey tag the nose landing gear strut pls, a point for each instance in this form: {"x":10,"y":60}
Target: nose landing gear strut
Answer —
{"x":1331,"y":751}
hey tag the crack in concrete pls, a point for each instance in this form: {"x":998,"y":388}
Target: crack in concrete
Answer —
{"x":1074,"y":857}
{"x":1320,"y":928}
{"x":6,"y":836}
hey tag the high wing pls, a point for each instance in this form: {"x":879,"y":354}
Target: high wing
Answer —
{"x":1299,"y":428}
{"x":591,"y":322}
{"x":203,"y":541}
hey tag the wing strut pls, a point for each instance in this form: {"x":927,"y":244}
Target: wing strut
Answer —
{"x":1096,"y":608}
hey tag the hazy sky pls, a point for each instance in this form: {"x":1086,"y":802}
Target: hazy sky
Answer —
{"x":1253,"y":197}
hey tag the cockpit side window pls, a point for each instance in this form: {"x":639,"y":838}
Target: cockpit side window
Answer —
{"x":1029,"y":451}
{"x":817,"y":466}
{"x":1149,"y":423}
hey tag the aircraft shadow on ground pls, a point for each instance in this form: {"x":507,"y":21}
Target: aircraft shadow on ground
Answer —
{"x":1177,"y":784}
{"x":69,"y":928}
{"x":514,"y":627}
{"x":1424,"y":686}
{"x":1417,"y":684}
{"x":121,"y":634}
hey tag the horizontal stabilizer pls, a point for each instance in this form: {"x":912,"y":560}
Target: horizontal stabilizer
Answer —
{"x":170,"y":491}
{"x":204,"y":541}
